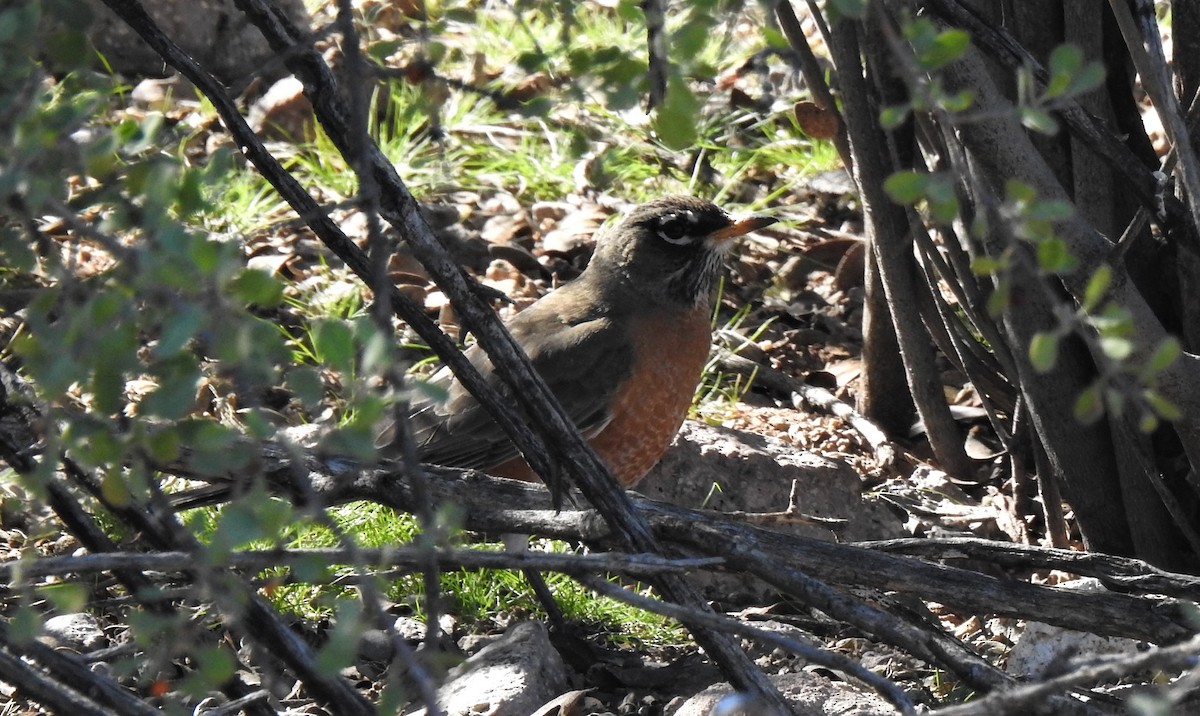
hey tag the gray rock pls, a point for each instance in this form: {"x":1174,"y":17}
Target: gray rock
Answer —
{"x":375,"y":645}
{"x":728,"y":470}
{"x":808,"y":694}
{"x":81,"y":632}
{"x":512,"y":676}
{"x":1044,"y":650}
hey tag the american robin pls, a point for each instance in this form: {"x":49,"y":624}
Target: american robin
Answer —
{"x":622,"y":346}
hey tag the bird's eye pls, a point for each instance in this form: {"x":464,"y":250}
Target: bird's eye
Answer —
{"x":673,"y":228}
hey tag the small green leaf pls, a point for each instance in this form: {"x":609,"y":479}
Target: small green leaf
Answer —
{"x":114,"y":489}
{"x":1065,"y":58}
{"x":1117,"y":348}
{"x":1050,"y":211}
{"x":948,"y":46}
{"x":1112,"y":321}
{"x":894,"y":116}
{"x":380,"y":50}
{"x":998,"y":302}
{"x":959,"y":101}
{"x":251,"y":518}
{"x":1089,"y":406}
{"x":108,"y":388}
{"x":215,"y":665}
{"x":906,"y":187}
{"x":257,"y":288}
{"x":1065,"y":62}
{"x":65,"y":596}
{"x":1087,"y":79}
{"x":333,"y":342}
{"x":310,"y":568}
{"x":24,"y":625}
{"x":215,"y":448}
{"x":630,"y":11}
{"x":163,"y":445}
{"x":258,"y":423}
{"x":775,"y":38}
{"x":531,"y":61}
{"x":464,"y":14}
{"x":178,"y":330}
{"x":1167,"y":353}
{"x":689,"y":40}
{"x":353,"y":442}
{"x":306,"y":383}
{"x":1054,"y":256}
{"x":342,"y":643}
{"x":15,"y":252}
{"x":1018,"y":191}
{"x":1164,"y":408}
{"x":1096,"y":288}
{"x":206,"y":255}
{"x":94,"y":444}
{"x":943,"y":202}
{"x":174,"y":398}
{"x":435,"y":52}
{"x":378,"y":352}
{"x":1043,"y":351}
{"x":1037,"y":120}
{"x":675,"y":121}
{"x":430,"y":390}
{"x":985,"y":265}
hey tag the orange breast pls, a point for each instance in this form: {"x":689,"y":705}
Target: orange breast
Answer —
{"x":670,"y":353}
{"x":648,"y":410}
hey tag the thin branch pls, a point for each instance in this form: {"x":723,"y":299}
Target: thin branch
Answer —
{"x":1009,"y":52}
{"x":1003,"y":151}
{"x":490,"y":504}
{"x":73,"y":673}
{"x":1116,"y":573}
{"x":892,"y":249}
{"x":814,"y":76}
{"x":1018,"y":699}
{"x":46,"y":690}
{"x":510,"y":363}
{"x":656,"y":42}
{"x":644,"y":565}
{"x":249,"y":615}
{"x":888,"y":689}
{"x":567,"y":448}
{"x":1145,"y":47}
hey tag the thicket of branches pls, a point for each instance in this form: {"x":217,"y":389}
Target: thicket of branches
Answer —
{"x":1052,"y":268}
{"x":1067,"y":246}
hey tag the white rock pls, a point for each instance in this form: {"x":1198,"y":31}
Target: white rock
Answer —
{"x":81,"y":632}
{"x":1043,"y":650}
{"x":512,"y":676}
{"x":806,"y":693}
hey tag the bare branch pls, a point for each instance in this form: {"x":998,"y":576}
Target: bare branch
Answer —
{"x":889,"y":690}
{"x":1116,"y":573}
{"x":410,"y":558}
{"x":1017,"y":699}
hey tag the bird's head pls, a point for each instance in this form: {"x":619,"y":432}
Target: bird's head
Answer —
{"x":670,"y":249}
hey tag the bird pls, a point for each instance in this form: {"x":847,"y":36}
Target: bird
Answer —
{"x":622,"y":347}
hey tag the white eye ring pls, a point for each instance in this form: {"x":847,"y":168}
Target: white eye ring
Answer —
{"x":686,"y":216}
{"x":676,"y":240}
